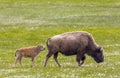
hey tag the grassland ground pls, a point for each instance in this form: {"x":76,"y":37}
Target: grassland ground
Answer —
{"x":12,"y":39}
{"x":27,"y":23}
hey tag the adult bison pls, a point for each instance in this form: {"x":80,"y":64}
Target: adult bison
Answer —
{"x":74,"y":43}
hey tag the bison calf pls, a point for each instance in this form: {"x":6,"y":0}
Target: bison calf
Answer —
{"x":31,"y":52}
{"x":74,"y":43}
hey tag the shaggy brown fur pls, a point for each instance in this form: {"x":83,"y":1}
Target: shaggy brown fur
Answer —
{"x":30,"y":52}
{"x":74,"y":43}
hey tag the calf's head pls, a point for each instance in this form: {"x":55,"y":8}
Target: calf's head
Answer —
{"x":98,"y":55}
{"x":40,"y":48}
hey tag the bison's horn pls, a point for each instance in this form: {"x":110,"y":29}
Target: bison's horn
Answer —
{"x":100,"y":49}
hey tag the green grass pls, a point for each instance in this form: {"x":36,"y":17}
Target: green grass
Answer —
{"x":31,"y":22}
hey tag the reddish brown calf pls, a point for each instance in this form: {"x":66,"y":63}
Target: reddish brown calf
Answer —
{"x":30,"y":52}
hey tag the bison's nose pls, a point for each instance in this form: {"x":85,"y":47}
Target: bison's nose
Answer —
{"x":102,"y":60}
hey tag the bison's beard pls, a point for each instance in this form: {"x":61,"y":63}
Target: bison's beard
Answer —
{"x":98,"y":59}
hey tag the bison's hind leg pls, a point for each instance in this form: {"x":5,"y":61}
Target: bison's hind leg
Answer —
{"x":55,"y":57}
{"x":47,"y":57}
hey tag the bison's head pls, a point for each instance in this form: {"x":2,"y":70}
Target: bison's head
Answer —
{"x":98,"y":55}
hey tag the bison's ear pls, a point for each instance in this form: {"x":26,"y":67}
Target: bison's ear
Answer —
{"x":99,"y":49}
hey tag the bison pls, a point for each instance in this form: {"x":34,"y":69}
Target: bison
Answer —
{"x":31,"y":52}
{"x":77,"y":43}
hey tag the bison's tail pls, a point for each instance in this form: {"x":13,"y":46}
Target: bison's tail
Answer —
{"x":47,"y":42}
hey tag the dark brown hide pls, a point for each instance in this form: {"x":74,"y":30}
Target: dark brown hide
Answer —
{"x":74,"y":43}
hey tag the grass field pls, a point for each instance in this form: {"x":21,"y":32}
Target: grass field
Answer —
{"x":31,"y":22}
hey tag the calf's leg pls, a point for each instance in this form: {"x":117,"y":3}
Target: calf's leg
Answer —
{"x":19,"y":58}
{"x":32,"y":62}
{"x":16,"y":61}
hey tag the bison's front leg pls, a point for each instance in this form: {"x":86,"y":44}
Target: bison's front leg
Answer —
{"x":80,"y":57}
{"x":78,"y":60}
{"x":83,"y":59}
